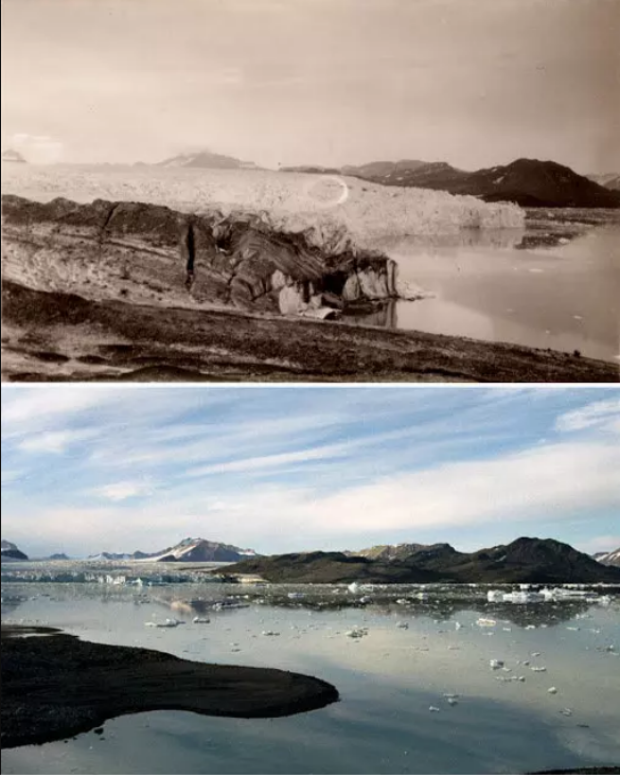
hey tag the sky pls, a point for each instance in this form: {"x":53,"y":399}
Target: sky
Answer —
{"x":88,"y":468}
{"x":472,"y":82}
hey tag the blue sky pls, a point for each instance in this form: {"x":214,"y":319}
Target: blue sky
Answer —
{"x":121,"y":468}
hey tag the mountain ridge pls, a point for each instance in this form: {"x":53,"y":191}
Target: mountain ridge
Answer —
{"x":525,"y":560}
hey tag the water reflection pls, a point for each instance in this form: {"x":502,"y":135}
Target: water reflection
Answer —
{"x":553,"y":285}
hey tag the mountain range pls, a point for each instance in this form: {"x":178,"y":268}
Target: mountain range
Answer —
{"x":528,"y":182}
{"x":10,"y":552}
{"x":526,"y":560}
{"x":189,"y":549}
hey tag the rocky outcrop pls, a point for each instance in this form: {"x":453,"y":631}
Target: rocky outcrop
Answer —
{"x":10,"y":552}
{"x":146,"y":253}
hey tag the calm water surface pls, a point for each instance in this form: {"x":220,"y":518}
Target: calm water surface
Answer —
{"x":489,"y":287}
{"x":388,"y":680}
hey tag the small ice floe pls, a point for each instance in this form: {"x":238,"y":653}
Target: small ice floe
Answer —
{"x":457,"y":625}
{"x":402,"y":601}
{"x":484,"y":622}
{"x":402,"y":625}
{"x":506,"y":628}
{"x":433,"y":709}
{"x":356,"y":633}
{"x":552,"y":690}
{"x":530,"y":627}
{"x":353,"y":588}
{"x":365,"y":600}
{"x":295,"y":595}
{"x":495,"y":596}
{"x":271,"y":633}
{"x":169,"y":623}
{"x":573,"y":628}
{"x":198,"y":619}
{"x":496,"y":663}
{"x":566,"y":711}
{"x":534,"y":655}
{"x":538,"y":668}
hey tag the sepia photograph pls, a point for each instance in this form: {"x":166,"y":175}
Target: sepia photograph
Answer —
{"x":311,"y":190}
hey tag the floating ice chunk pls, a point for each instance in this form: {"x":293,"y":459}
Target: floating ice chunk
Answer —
{"x":566,"y":711}
{"x":452,"y":701}
{"x":169,"y":623}
{"x":534,"y":655}
{"x":506,"y":628}
{"x":353,"y":588}
{"x":402,"y":625}
{"x":271,"y":633}
{"x":451,"y":695}
{"x":553,"y":689}
{"x":356,"y":633}
{"x":486,"y":622}
{"x":402,"y":601}
{"x":496,"y":663}
{"x":433,"y":709}
{"x":538,"y":668}
{"x":198,"y":619}
{"x":365,"y":600}
{"x":457,"y":625}
{"x":495,"y":596}
{"x":529,"y":627}
{"x":573,"y":628}
{"x":295,"y":595}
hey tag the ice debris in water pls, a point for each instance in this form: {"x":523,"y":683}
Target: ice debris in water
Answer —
{"x":457,"y":625}
{"x":566,"y":711}
{"x":496,"y":663}
{"x":198,"y":619}
{"x":538,"y":668}
{"x":486,"y":622}
{"x":433,"y":709}
{"x":169,"y":623}
{"x":353,"y":588}
{"x":553,"y":689}
{"x":357,"y":633}
{"x":402,"y":625}
{"x":271,"y":633}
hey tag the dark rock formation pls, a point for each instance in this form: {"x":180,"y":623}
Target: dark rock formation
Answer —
{"x":12,"y":156}
{"x":152,"y":254}
{"x":526,"y":560}
{"x":10,"y":552}
{"x":56,"y":686}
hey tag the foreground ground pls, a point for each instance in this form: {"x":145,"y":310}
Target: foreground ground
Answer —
{"x":55,"y":336}
{"x":55,"y":686}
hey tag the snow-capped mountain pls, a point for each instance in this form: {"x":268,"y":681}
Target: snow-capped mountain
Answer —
{"x":10,"y":552}
{"x":189,"y":549}
{"x":611,"y":558}
{"x":197,"y":549}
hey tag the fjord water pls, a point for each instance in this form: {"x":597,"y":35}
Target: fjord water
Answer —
{"x":422,"y":645}
{"x":496,"y":287}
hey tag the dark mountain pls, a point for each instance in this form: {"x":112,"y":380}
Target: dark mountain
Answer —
{"x":208,"y":159}
{"x":58,"y":557}
{"x":10,"y":552}
{"x":526,"y":560}
{"x":12,"y":156}
{"x":320,"y":567}
{"x":528,"y":182}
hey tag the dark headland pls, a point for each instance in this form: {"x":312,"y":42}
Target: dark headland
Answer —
{"x":55,"y":686}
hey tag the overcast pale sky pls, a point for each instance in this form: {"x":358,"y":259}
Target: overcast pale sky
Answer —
{"x":472,"y":82}
{"x":119,"y":468}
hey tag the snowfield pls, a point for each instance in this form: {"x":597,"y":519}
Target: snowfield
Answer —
{"x":332,"y":211}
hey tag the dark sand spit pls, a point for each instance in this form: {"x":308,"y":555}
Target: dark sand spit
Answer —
{"x":56,"y":686}
{"x":56,"y":336}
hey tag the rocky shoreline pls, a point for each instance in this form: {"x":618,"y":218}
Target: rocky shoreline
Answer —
{"x":62,"y":337}
{"x":55,"y":686}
